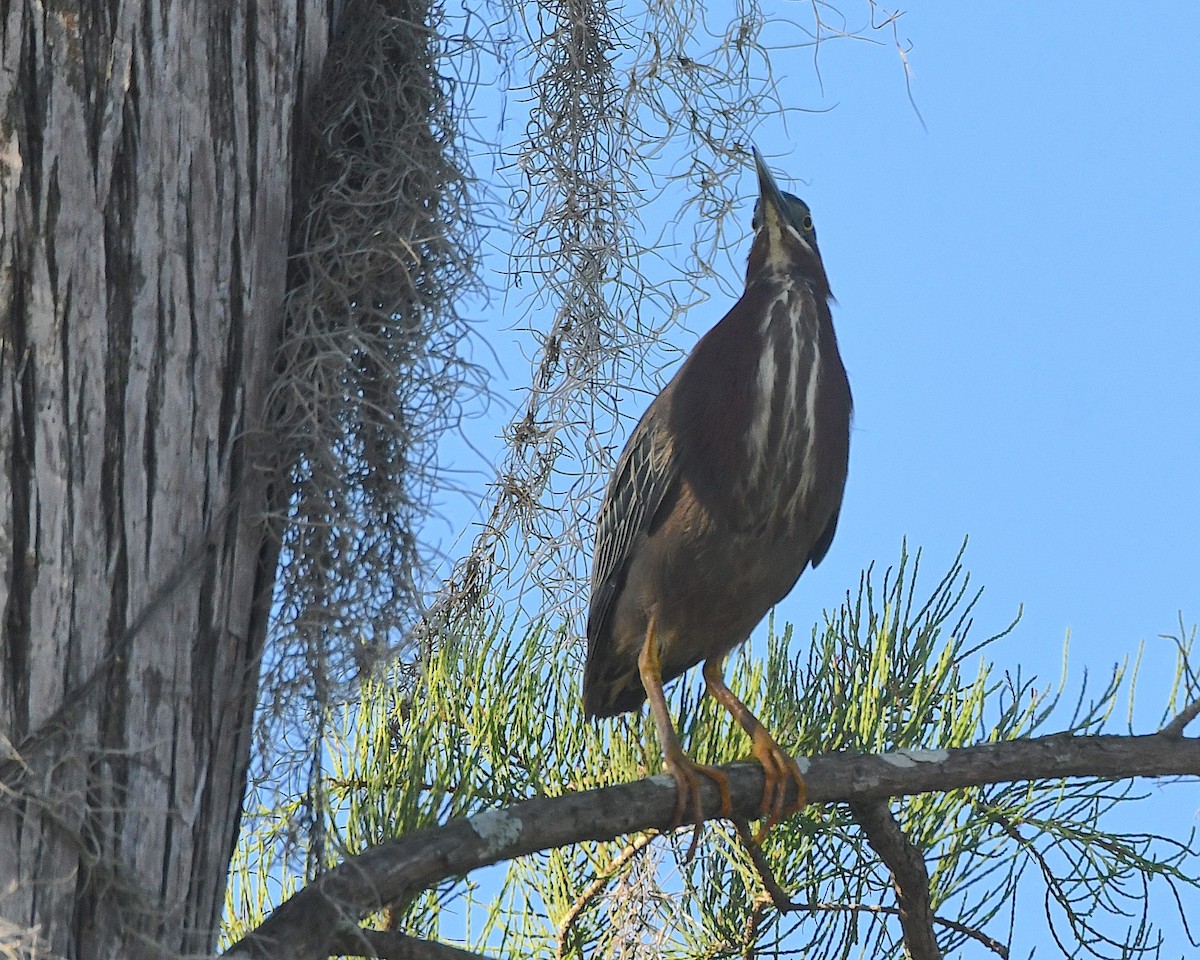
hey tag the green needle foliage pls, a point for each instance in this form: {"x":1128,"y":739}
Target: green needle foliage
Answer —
{"x":493,"y":716}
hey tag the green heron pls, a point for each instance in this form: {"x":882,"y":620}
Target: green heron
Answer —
{"x":729,"y":487}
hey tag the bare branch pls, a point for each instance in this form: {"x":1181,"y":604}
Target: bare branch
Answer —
{"x":596,"y":887}
{"x":909,"y":876}
{"x":1185,"y":716}
{"x":390,"y":945}
{"x":977,"y":935}
{"x":303,"y":926}
{"x":773,"y":890}
{"x":775,"y":896}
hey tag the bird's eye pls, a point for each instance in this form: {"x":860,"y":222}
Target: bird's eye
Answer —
{"x":808,"y":224}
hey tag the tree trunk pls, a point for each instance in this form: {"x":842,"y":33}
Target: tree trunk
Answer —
{"x":146,"y":158}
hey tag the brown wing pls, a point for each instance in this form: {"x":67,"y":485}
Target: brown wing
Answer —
{"x":645,"y":476}
{"x":821,"y":547}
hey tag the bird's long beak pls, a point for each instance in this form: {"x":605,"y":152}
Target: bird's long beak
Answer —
{"x":772,"y":207}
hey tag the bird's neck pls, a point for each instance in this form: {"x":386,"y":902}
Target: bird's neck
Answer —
{"x":786,"y":259}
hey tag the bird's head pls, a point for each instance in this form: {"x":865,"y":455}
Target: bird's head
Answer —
{"x":785,"y":239}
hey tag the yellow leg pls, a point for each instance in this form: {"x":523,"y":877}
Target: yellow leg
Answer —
{"x":684,"y":769}
{"x":779,"y":767}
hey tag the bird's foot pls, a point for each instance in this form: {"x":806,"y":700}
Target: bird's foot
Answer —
{"x":687,"y":773}
{"x":779,"y":772}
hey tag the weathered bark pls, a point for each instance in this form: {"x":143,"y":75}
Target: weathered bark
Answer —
{"x":323,"y":916}
{"x":146,"y":158}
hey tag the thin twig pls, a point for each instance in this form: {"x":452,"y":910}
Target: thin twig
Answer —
{"x":909,"y":875}
{"x":594,"y":889}
{"x":977,"y":935}
{"x":754,"y":920}
{"x":779,"y":899}
{"x":1056,"y":891}
{"x":1180,"y":721}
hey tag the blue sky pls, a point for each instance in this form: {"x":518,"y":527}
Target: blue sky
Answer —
{"x":1016,"y":287}
{"x":1016,"y":308}
{"x":1018,"y":312}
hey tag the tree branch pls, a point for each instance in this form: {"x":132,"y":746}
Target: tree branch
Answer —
{"x":775,"y":896}
{"x":596,"y":887}
{"x":1185,"y":716}
{"x":304,"y":926}
{"x":390,"y":945}
{"x":909,"y":876}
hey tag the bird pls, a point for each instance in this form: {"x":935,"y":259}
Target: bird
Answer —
{"x":729,"y":487}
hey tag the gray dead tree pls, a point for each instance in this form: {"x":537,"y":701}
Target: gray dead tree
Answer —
{"x":144,"y":222}
{"x":169,"y":402}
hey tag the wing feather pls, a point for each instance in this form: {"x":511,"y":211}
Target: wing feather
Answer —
{"x":644,"y":478}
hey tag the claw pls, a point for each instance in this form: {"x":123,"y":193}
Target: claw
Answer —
{"x":683,"y":768}
{"x":779,"y":768}
{"x":778,"y":765}
{"x":687,"y":796}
